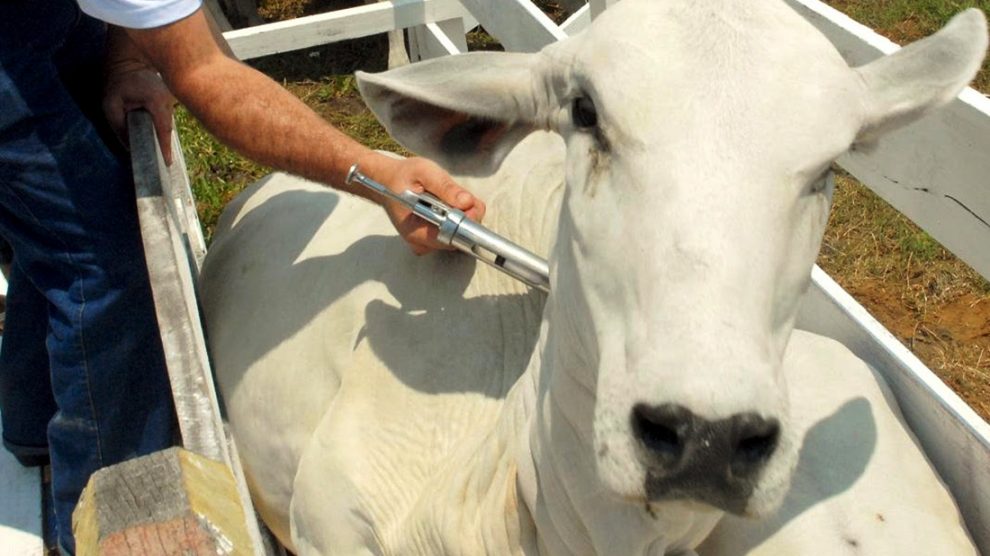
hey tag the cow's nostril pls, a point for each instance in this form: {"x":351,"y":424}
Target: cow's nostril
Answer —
{"x":758,"y":439}
{"x":756,"y":448}
{"x":660,"y":438}
{"x":660,"y":430}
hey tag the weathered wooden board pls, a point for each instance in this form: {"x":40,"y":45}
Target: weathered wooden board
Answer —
{"x":599,"y":6}
{"x":433,"y":40}
{"x":169,"y":502}
{"x":954,"y":437}
{"x":577,"y":21}
{"x":352,"y":23}
{"x":518,"y":24}
{"x":174,"y":293}
{"x":172,"y":242}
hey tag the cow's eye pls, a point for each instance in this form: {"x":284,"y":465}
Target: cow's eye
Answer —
{"x":583,"y":113}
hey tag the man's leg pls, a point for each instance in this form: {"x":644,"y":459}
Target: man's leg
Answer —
{"x":67,"y":207}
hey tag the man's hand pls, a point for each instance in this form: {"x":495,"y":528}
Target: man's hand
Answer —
{"x":139,"y":87}
{"x":419,"y":175}
{"x":132,"y":83}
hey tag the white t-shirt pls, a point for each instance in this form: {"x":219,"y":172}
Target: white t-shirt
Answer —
{"x":139,"y":14}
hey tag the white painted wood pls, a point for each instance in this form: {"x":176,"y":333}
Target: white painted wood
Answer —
{"x":953,"y":436}
{"x":578,"y":21}
{"x":469,"y":21}
{"x":518,"y":24}
{"x":20,"y":508}
{"x":599,"y":6}
{"x":339,"y":25}
{"x":937,"y":171}
{"x":437,"y":39}
{"x":184,"y":207}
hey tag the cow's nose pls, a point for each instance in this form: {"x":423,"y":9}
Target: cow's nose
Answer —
{"x":677,"y":443}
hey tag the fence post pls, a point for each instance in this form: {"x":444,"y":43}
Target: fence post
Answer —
{"x":173,"y":250}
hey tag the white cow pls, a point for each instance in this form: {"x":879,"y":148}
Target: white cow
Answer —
{"x":388,"y":404}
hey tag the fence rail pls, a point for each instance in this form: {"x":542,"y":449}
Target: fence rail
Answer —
{"x":340,"y":25}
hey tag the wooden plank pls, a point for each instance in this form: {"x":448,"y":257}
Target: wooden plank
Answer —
{"x":169,"y":502}
{"x":953,"y":436}
{"x":579,"y":21}
{"x":433,"y":40}
{"x":599,"y":6}
{"x":178,"y":189}
{"x":339,"y":25}
{"x":20,"y":508}
{"x":935,"y":171}
{"x":518,"y":24}
{"x":175,"y":301}
{"x":169,"y":230}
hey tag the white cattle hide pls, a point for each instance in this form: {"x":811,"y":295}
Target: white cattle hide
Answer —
{"x":388,"y":404}
{"x":862,"y":485}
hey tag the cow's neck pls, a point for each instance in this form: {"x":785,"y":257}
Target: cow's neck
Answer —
{"x":530,"y":485}
{"x":557,"y":479}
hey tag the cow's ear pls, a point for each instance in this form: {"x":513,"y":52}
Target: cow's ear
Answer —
{"x":926,"y":74}
{"x":465,"y":111}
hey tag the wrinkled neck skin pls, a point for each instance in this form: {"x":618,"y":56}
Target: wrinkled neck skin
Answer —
{"x":558,"y":481}
{"x":531,"y":486}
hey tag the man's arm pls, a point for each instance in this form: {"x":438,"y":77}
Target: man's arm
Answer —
{"x":130,"y":83}
{"x":260,"y":119}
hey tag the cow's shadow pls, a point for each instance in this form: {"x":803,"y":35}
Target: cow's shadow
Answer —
{"x":434,"y":343}
{"x":834,"y":456}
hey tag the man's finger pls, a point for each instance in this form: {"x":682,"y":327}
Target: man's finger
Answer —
{"x":113,"y":110}
{"x":163,"y":129}
{"x":477,"y":211}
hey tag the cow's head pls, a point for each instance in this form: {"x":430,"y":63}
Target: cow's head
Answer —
{"x":699,"y":140}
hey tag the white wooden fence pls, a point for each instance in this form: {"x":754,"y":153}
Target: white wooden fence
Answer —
{"x":936,"y":172}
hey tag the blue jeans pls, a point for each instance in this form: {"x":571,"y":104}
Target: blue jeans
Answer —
{"x":81,"y":369}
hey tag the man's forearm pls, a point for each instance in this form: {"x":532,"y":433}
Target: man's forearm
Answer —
{"x":246,"y":109}
{"x":253,"y":114}
{"x":266,"y":123}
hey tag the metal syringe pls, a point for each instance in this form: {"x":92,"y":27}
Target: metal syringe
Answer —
{"x":466,"y":235}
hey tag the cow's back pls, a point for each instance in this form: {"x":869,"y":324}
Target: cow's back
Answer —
{"x":320,"y":317}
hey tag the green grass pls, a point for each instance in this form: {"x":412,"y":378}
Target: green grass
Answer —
{"x":904,"y":21}
{"x":216,"y":172}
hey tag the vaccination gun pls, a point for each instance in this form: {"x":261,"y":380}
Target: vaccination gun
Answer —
{"x":466,"y":235}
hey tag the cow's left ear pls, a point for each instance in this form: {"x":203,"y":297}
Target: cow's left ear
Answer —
{"x":465,"y":111}
{"x":923,"y":75}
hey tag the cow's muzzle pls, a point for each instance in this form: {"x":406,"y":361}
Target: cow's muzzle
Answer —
{"x":691,"y":458}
